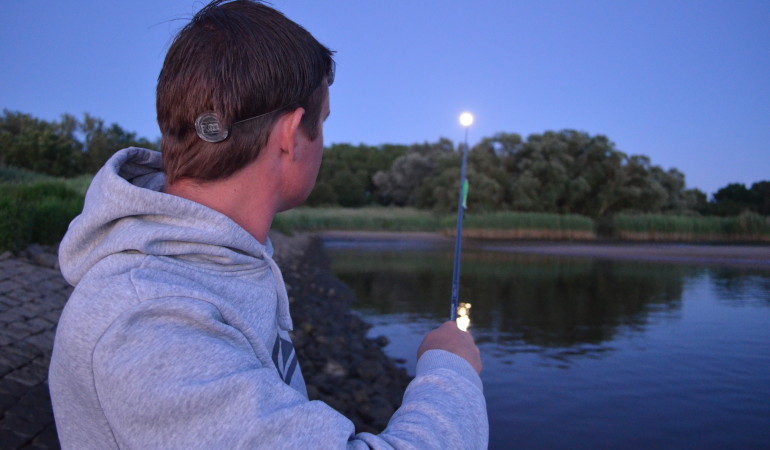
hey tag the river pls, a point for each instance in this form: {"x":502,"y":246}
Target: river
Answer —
{"x":585,"y":352}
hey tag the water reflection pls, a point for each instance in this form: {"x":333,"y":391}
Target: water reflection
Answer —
{"x":518,"y":300}
{"x":611,"y":354}
{"x":739,"y":287}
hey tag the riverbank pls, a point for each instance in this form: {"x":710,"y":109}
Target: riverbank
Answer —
{"x":509,"y":225}
{"x":341,"y":366}
{"x":751,"y":255}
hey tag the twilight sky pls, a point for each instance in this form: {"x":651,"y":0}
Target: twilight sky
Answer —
{"x":685,"y":82}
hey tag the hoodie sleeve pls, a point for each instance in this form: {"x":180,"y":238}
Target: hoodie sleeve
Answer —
{"x":170,"y":373}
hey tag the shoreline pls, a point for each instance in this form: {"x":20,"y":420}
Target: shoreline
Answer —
{"x":341,"y":365}
{"x":711,"y":253}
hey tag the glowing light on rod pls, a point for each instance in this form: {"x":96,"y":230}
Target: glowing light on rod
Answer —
{"x":466,"y":119}
{"x":463,"y":316}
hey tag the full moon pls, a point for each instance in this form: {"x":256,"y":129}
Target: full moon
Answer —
{"x":466,"y":119}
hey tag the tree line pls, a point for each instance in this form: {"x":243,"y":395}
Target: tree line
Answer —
{"x":63,"y":148}
{"x":567,"y":171}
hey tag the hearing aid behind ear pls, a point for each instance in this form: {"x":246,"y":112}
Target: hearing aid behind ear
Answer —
{"x":209,"y":128}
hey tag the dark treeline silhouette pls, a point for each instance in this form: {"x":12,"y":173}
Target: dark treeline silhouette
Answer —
{"x":63,"y":148}
{"x":736,"y":198}
{"x":567,"y":171}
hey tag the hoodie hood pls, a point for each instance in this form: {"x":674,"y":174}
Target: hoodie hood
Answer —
{"x":125,"y":210}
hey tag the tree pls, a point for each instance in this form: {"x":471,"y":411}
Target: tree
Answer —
{"x":440,"y":191}
{"x":732,"y":200}
{"x":346,"y":174}
{"x":349,"y":189}
{"x":400,"y":184}
{"x":760,"y":197}
{"x":322,"y":195}
{"x":100,"y":142}
{"x":642,"y":189}
{"x":54,"y":148}
{"x":46,"y":147}
{"x":695,"y":201}
{"x":561,"y":172}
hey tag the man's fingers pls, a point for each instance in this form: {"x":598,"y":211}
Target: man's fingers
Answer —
{"x":450,"y":338}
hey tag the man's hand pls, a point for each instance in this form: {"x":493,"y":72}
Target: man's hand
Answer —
{"x":450,"y":338}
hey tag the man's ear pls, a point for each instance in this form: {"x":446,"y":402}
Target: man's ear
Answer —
{"x":288,"y":129}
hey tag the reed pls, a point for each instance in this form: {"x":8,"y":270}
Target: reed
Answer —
{"x":522,"y":220}
{"x":501,"y":225}
{"x":656,"y":227}
{"x":520,"y":225}
{"x":356,"y":219}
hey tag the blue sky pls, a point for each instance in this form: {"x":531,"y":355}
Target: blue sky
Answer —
{"x":684,"y":82}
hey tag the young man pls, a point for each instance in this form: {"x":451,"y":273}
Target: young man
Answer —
{"x":176,"y":335}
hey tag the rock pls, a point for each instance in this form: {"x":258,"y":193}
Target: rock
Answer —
{"x":43,"y":256}
{"x":361,"y":396}
{"x":335,"y":369}
{"x":382,"y":341}
{"x":341,"y":365}
{"x":369,"y":369}
{"x":46,"y":260}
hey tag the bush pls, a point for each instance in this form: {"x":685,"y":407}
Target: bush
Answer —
{"x":17,"y":175}
{"x":38,"y":191}
{"x":38,"y":212}
{"x":15,"y":224}
{"x":79,"y":184}
{"x":51,"y":217}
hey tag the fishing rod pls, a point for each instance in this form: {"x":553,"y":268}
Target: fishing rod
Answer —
{"x":463,"y":309}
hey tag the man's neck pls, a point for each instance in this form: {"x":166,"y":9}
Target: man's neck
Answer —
{"x":234,"y":197}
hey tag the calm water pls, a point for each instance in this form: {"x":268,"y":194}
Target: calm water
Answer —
{"x":587,"y":353}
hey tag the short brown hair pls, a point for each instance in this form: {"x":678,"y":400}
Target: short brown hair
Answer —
{"x":239,"y":60}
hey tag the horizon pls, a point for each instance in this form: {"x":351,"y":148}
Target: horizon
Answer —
{"x":686,"y":84}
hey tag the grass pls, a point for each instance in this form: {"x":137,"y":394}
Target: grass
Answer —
{"x":516,"y":225}
{"x":535,"y":221}
{"x":78,"y":184}
{"x":747,"y":226}
{"x":35,"y":209}
{"x":489,"y":225}
{"x":521,"y":225}
{"x":357,"y":219}
{"x":16,"y":175}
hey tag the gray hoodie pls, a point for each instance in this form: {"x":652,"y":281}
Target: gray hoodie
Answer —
{"x":176,"y":336}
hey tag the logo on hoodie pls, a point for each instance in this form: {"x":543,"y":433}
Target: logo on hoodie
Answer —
{"x":285,"y":359}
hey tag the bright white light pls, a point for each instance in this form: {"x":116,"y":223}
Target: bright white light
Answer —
{"x":463,"y":322}
{"x":466,"y":119}
{"x":463,"y":316}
